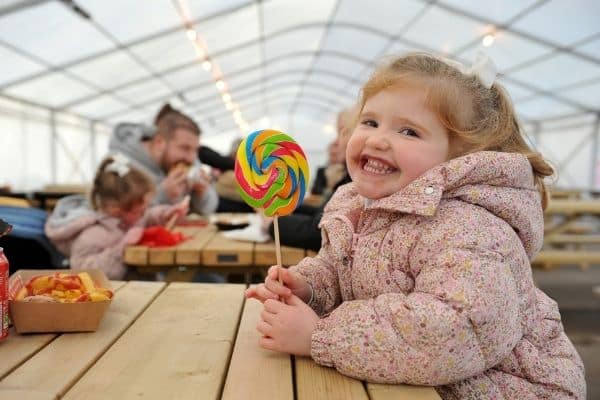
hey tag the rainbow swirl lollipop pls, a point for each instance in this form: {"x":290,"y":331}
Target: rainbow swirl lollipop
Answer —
{"x":272,"y":172}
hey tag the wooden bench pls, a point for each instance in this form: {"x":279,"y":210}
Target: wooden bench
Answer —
{"x":573,"y":239}
{"x":556,"y":193}
{"x":14,"y":202}
{"x":552,"y":257}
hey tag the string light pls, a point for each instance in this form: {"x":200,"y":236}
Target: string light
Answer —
{"x":191,"y":34}
{"x":488,"y":40}
{"x":206,"y":65}
{"x":201,"y":50}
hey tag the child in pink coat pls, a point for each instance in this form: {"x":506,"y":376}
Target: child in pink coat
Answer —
{"x":424,"y":273}
{"x":95,"y":235}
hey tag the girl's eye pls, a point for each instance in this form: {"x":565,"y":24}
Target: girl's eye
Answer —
{"x":370,"y":122}
{"x":408,"y":132}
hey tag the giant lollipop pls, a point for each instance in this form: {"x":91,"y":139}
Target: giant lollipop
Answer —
{"x":272,"y":174}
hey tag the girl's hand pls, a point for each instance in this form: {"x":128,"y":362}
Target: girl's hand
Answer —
{"x":133,"y":235}
{"x":293,"y":283}
{"x":180,"y":209}
{"x":287,"y":327}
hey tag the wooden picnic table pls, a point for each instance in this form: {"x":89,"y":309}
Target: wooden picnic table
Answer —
{"x":173,"y":341}
{"x":573,"y":207}
{"x":208,"y":249}
{"x":569,"y":225}
{"x":565,"y":193}
{"x":46,"y":197}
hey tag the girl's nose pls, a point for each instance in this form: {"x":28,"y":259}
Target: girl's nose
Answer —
{"x":378,"y":140}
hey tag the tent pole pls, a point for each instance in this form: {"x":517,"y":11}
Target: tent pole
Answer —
{"x":53,"y":160}
{"x":93,"y":135}
{"x":594,"y":167}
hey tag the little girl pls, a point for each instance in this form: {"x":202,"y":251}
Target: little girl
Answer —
{"x":95,"y":236}
{"x":424,"y":273}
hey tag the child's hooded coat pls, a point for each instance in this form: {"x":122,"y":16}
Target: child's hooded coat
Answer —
{"x":432,"y":286}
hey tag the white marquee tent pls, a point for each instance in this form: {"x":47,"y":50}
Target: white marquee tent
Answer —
{"x":71,"y":70}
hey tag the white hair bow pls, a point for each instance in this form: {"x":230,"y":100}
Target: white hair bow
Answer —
{"x":483,"y":67}
{"x":119,"y":164}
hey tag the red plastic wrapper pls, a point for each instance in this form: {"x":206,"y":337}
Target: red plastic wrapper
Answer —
{"x":159,"y":236}
{"x":3,"y":295}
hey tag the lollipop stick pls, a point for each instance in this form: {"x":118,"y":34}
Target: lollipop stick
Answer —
{"x":277,"y":245}
{"x":171,"y":222}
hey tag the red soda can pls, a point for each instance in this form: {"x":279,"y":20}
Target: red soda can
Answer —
{"x":3,"y":295}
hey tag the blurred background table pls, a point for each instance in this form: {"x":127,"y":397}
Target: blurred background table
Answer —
{"x":207,"y":249}
{"x":571,"y":233}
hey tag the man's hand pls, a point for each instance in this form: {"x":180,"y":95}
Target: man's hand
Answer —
{"x":200,"y":182}
{"x":175,"y":184}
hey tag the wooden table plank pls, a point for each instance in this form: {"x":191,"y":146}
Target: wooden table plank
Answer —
{"x":575,"y":238}
{"x":573,"y":207}
{"x":55,"y":368}
{"x":221,"y":251}
{"x":567,"y":257}
{"x":182,"y":345}
{"x":186,"y":253}
{"x":255,"y":373}
{"x":314,"y":382}
{"x":136,"y":255}
{"x":264,"y":254}
{"x":165,"y":256}
{"x":401,"y":392}
{"x":189,"y":253}
{"x":18,"y":348}
{"x":556,"y":193}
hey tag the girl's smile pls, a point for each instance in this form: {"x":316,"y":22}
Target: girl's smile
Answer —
{"x":396,"y":140}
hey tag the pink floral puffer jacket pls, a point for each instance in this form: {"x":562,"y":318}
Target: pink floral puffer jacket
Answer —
{"x":432,"y":286}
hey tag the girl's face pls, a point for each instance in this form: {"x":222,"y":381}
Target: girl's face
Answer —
{"x":131,"y":215}
{"x":396,"y":140}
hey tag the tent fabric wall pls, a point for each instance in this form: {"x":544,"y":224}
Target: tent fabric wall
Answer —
{"x":89,"y":64}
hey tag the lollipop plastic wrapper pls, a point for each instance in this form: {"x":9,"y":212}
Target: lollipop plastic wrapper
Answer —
{"x":272,"y":172}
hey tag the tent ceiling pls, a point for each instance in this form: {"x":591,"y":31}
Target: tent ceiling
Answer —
{"x":285,"y":56}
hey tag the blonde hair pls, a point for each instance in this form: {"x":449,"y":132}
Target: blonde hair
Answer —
{"x":346,"y":120}
{"x":477,"y":118}
{"x":126,"y":191}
